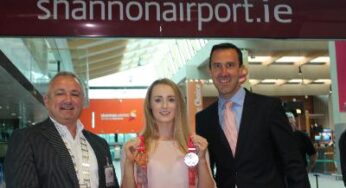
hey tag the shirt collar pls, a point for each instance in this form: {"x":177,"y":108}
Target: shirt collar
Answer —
{"x":237,"y":98}
{"x":62,"y":129}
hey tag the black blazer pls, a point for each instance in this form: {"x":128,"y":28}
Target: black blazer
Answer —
{"x":266,"y":156}
{"x":38,"y":157}
{"x":342,"y":149}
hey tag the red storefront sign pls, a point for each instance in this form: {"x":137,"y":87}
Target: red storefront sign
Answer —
{"x":175,"y":18}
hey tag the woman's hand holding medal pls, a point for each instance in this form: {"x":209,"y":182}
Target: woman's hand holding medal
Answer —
{"x":130,"y":149}
{"x":197,"y":147}
{"x":201,"y":145}
{"x":135,"y":152}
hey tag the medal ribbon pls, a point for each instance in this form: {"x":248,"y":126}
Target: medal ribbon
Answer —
{"x":141,"y":170}
{"x":192,"y":170}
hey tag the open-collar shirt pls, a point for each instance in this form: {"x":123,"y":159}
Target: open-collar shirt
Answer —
{"x":75,"y":145}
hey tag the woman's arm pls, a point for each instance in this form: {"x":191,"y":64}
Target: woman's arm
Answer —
{"x":205,"y":179}
{"x":127,"y":164}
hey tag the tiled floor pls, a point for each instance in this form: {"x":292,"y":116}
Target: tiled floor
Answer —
{"x":324,"y":181}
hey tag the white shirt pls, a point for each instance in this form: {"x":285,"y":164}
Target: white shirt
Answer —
{"x":75,"y":145}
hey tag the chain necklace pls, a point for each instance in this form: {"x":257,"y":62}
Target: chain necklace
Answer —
{"x":84,"y":178}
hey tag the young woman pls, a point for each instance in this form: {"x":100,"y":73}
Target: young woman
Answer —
{"x":165,"y":142}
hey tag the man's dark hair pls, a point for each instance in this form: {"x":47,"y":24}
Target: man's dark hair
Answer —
{"x":224,"y":46}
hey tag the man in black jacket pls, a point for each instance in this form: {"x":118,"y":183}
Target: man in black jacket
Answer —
{"x":265,"y":154}
{"x":342,"y":149}
{"x":59,"y":152}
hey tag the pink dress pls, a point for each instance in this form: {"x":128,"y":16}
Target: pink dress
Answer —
{"x":166,"y":167}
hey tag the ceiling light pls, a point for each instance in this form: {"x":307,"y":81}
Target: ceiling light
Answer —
{"x":290,"y":59}
{"x":268,"y":81}
{"x":321,"y":59}
{"x":295,"y":81}
{"x":298,"y":111}
{"x":323,"y":81}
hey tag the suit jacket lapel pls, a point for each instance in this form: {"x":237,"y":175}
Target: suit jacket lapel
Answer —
{"x":249,"y":109}
{"x":58,"y":144}
{"x":218,"y":129}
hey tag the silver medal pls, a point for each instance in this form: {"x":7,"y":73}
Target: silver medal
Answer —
{"x":191,"y":159}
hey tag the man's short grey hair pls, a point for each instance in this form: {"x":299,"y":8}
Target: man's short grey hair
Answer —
{"x":68,"y":74}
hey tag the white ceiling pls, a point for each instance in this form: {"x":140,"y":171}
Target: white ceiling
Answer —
{"x":130,"y":54}
{"x":105,"y":57}
{"x":283,"y":74}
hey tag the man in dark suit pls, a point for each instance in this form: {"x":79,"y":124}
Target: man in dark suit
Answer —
{"x":59,"y":152}
{"x":342,"y":149}
{"x":265,"y":154}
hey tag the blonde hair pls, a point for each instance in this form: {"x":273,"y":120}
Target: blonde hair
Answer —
{"x":181,"y":129}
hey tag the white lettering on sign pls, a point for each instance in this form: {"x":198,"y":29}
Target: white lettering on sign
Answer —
{"x":113,"y":10}
{"x":105,"y":116}
{"x":121,"y":116}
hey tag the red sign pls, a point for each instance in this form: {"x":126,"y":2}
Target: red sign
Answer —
{"x":105,"y":116}
{"x":174,"y":18}
{"x":340,"y":51}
